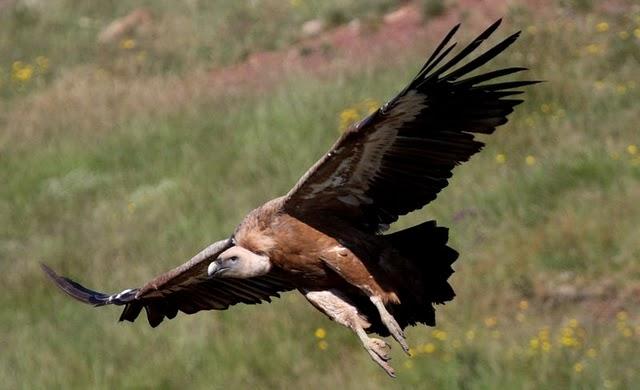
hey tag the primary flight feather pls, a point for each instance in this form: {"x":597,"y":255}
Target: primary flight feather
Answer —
{"x":324,"y":238}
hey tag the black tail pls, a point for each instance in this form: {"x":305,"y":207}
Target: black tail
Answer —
{"x":425,"y":247}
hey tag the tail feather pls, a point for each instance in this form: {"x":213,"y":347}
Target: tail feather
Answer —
{"x":425,"y":247}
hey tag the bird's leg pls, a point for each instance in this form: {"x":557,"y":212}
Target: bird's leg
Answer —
{"x":390,"y":322}
{"x":336,"y":307}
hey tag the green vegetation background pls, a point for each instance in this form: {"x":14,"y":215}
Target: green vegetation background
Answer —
{"x":120,"y":161}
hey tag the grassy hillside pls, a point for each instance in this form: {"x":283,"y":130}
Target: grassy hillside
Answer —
{"x":119,"y":161}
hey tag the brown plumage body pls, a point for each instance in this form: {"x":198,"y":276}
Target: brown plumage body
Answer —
{"x":310,"y":255}
{"x":324,"y":238}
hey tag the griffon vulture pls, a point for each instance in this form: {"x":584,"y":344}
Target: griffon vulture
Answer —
{"x":324,"y":238}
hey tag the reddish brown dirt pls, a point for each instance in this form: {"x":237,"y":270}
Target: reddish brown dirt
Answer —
{"x":354,"y":44}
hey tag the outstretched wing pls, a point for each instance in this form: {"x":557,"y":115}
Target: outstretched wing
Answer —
{"x":186,"y":288}
{"x":397,"y":159}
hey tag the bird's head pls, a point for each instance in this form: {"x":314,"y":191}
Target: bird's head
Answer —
{"x":239,"y":262}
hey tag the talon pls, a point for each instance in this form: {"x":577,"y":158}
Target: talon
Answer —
{"x":380,"y":348}
{"x":391,"y":324}
{"x":382,"y":362}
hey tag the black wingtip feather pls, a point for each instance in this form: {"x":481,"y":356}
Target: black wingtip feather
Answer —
{"x":131,"y":312}
{"x":75,"y":290}
{"x":469,"y":81}
{"x":491,"y":28}
{"x":483,"y":58}
{"x":155,"y":314}
{"x":464,"y":52}
{"x":421,"y":76}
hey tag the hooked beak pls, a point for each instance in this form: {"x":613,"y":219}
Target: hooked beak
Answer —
{"x":215,"y":268}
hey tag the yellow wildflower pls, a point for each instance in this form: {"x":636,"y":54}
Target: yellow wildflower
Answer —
{"x":594,"y":49}
{"x":627,"y":332}
{"x":131,"y":207}
{"x":602,"y":27}
{"x":546,"y":346}
{"x":569,"y":341}
{"x":621,"y":89}
{"x":530,"y":160}
{"x":631,"y":149}
{"x":568,"y":338}
{"x":501,"y":158}
{"x":439,"y":334}
{"x":348,"y":117}
{"x":573,"y":323}
{"x":636,"y":32}
{"x":490,"y":322}
{"x":43,"y":63}
{"x":534,"y":344}
{"x":322,"y":345}
{"x":523,"y":305}
{"x":592,"y":353}
{"x":532,"y":30}
{"x":22,"y":72}
{"x":578,"y":367}
{"x":128,"y":44}
{"x":623,"y":35}
{"x":429,"y":348}
{"x":320,"y":333}
{"x":295,"y":3}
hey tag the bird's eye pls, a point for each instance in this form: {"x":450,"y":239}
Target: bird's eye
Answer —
{"x":233,"y":258}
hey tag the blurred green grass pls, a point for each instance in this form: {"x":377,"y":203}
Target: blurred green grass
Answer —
{"x":116,"y":166}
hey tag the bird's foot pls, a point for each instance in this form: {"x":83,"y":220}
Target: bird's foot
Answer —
{"x":396,"y":331}
{"x":379,"y":352}
{"x":392,"y":325}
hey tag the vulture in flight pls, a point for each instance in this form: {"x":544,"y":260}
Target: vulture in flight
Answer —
{"x":325,"y":237}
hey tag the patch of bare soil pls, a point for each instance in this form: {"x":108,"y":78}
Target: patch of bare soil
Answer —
{"x":355,"y":44}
